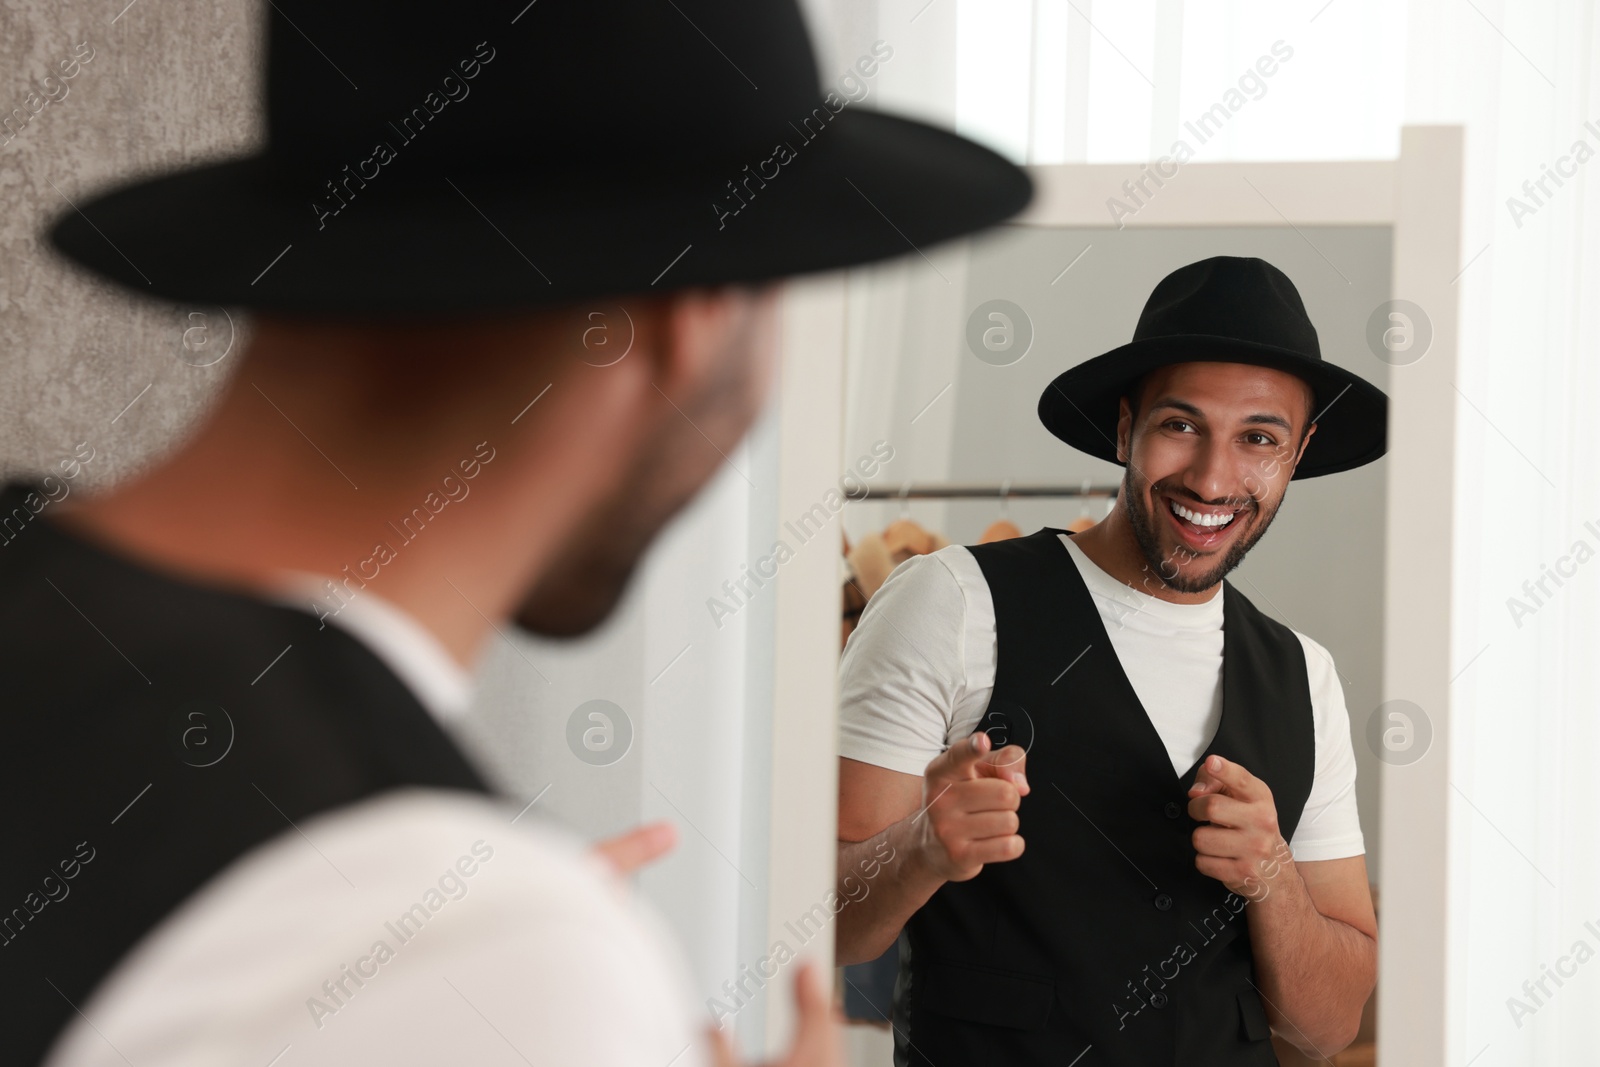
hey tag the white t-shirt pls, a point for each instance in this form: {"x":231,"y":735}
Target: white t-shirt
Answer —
{"x":538,"y":955}
{"x":918,"y":670}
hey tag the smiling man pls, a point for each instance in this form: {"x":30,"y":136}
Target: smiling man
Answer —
{"x":1194,"y":876}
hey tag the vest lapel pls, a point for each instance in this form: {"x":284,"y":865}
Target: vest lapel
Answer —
{"x":1137,"y":733}
{"x":1103,"y":933}
{"x":1249,"y":676}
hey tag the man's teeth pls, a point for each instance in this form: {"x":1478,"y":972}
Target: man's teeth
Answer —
{"x":1199,"y":519}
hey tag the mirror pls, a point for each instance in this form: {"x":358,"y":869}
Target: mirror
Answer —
{"x":946,"y":358}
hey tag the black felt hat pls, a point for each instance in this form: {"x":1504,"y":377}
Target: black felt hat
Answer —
{"x":1226,"y":309}
{"x":439,"y":158}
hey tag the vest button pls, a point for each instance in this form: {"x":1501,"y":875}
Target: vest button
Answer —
{"x":1173,"y":809}
{"x":1163,"y":902}
{"x":1158,"y":1000}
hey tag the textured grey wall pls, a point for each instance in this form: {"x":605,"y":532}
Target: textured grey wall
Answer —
{"x":158,"y":83}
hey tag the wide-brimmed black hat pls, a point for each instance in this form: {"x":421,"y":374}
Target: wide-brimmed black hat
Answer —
{"x":439,"y":158}
{"x":1226,"y":309}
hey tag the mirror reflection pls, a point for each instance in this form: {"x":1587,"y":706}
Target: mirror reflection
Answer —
{"x":1113,"y":632}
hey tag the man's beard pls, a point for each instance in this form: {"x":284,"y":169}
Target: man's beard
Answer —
{"x":1175,"y":574}
{"x":582,"y":585}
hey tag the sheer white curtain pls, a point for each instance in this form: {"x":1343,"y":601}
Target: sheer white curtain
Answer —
{"x":1079,"y":80}
{"x":1051,"y":81}
{"x":1525,"y":841}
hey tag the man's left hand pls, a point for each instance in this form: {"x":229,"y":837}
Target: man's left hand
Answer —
{"x":1240,"y":846}
{"x":639,"y":847}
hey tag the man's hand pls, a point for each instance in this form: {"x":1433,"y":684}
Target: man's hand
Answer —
{"x":637,"y":848}
{"x":816,"y":1038}
{"x":1241,"y":846}
{"x":970,"y":797}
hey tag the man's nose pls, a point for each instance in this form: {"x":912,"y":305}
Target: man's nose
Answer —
{"x":1216,"y":475}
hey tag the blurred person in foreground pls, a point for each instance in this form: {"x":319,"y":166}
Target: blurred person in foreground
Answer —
{"x":239,"y":832}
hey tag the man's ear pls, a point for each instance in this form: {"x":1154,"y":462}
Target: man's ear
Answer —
{"x":1124,"y":430}
{"x":1301,"y":454}
{"x":692,"y":328}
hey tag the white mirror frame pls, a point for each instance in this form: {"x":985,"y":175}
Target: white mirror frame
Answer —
{"x":1419,"y":197}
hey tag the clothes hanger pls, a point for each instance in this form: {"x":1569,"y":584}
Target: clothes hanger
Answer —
{"x":1002,"y":529}
{"x":905,"y":537}
{"x":1084,"y":519}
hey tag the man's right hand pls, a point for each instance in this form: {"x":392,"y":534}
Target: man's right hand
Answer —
{"x":970,"y":797}
{"x":943,"y":827}
{"x":818,"y":1041}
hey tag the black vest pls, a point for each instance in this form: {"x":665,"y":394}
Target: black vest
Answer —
{"x":1102,"y":940}
{"x":154,"y":731}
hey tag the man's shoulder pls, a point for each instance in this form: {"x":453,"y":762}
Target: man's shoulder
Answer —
{"x":1234,"y":598}
{"x":945,"y":569}
{"x":1321,"y":670}
{"x":1045,"y":541}
{"x":1321,"y":673}
{"x":399,"y":889}
{"x":127,"y":625}
{"x":408,"y":837}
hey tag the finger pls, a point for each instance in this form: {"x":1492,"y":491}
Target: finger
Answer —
{"x":983,"y":794}
{"x":817,"y":1040}
{"x":722,"y":1054}
{"x":992,"y":850}
{"x":984,"y":824}
{"x":1219,"y":809}
{"x":959,"y":761}
{"x":1009,"y":763}
{"x":1213,"y":867}
{"x":638,"y":847}
{"x":1228,"y":777}
{"x":1218,"y":843}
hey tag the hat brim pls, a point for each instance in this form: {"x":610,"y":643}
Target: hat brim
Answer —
{"x":867,"y":186}
{"x":1352,"y":415}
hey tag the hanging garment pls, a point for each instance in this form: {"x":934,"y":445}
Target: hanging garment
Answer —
{"x":1000,"y":530}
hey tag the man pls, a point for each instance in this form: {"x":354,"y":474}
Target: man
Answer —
{"x":238,"y":833}
{"x":1193,"y":871}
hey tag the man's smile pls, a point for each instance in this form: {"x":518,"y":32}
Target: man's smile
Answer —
{"x":1201,"y":526}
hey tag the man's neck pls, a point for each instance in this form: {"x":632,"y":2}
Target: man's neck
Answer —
{"x":1111,"y":545}
{"x":248,"y":498}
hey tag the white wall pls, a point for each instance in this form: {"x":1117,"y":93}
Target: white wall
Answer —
{"x":1521,"y":77}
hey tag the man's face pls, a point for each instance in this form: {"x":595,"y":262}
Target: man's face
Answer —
{"x":683,"y":448}
{"x":1210,"y":454}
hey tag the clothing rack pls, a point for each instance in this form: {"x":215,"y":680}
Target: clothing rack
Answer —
{"x":977,"y":491}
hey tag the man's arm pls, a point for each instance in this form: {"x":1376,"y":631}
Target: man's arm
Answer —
{"x":874,"y":806}
{"x":918,"y":805}
{"x":1315,"y":940}
{"x":1312,"y":929}
{"x":902,"y":837}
